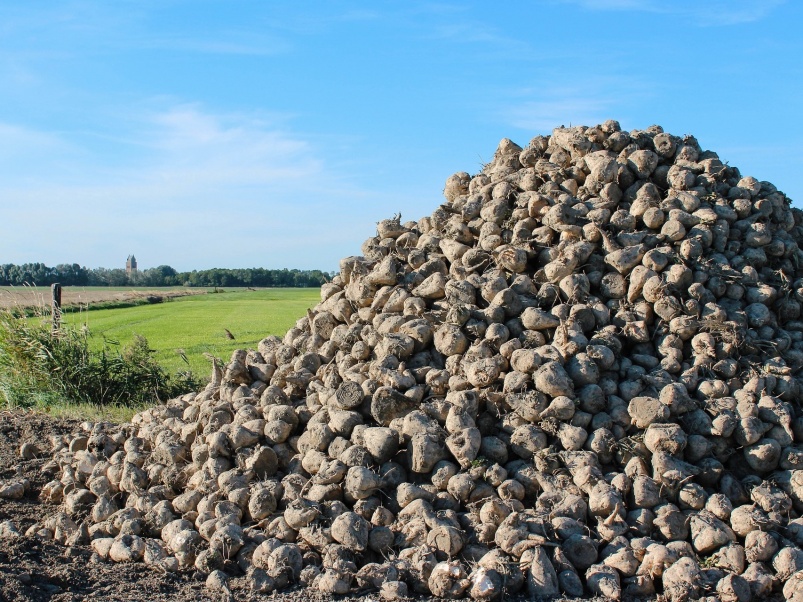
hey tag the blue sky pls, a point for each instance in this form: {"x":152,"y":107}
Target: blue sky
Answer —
{"x":236,"y":134}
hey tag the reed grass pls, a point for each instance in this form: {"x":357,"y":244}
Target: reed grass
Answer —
{"x":41,"y":367}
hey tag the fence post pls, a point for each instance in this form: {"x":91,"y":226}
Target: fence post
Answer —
{"x":55,"y":294}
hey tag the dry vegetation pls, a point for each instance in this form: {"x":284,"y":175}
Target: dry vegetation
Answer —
{"x":30,"y":296}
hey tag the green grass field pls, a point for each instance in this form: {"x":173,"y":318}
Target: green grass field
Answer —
{"x":196,"y":324}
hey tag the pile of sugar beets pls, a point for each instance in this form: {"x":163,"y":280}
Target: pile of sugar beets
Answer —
{"x":580,"y":375}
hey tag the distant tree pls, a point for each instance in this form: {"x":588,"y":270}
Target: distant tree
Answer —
{"x":70,"y":274}
{"x":162,"y":275}
{"x":5,"y":274}
{"x":118,"y":277}
{"x":168,"y":274}
{"x":107,"y":277}
{"x":39,"y":274}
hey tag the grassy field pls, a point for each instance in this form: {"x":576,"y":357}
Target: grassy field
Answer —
{"x":196,"y":324}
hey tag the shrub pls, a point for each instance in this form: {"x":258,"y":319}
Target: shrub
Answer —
{"x":38,"y":366}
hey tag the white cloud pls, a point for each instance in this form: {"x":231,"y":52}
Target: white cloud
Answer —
{"x":490,"y":38}
{"x":706,"y":13}
{"x":197,"y":189}
{"x":228,"y":149}
{"x":182,"y":150}
{"x":240,"y":43}
{"x":15,"y":139}
{"x":544,"y":115}
{"x":541,"y":109}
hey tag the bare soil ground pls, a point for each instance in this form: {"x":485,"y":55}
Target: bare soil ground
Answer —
{"x":22,"y":296}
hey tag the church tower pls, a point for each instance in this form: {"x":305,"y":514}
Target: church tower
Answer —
{"x":131,"y":265}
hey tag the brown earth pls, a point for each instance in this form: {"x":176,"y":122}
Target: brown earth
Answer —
{"x":23,"y":296}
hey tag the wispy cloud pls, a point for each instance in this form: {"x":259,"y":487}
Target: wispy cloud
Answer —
{"x":704,"y":14}
{"x":15,"y":139}
{"x":541,"y":109}
{"x":544,"y":115}
{"x":225,"y":43}
{"x":477,"y":33}
{"x":180,"y":143}
{"x":324,"y":18}
{"x":226,"y":149}
{"x":28,"y":156}
{"x":198,"y":188}
{"x":126,"y":26}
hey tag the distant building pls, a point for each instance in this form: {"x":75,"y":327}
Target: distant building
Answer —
{"x":131,"y":265}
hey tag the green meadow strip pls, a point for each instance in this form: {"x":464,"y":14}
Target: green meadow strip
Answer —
{"x":192,"y":327}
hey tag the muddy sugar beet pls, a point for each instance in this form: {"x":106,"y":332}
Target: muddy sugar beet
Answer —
{"x":580,"y":375}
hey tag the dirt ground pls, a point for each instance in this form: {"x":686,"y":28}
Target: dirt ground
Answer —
{"x":22,"y":296}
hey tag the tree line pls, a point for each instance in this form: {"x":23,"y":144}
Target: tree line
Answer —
{"x":38,"y":274}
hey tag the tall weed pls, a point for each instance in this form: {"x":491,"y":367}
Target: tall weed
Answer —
{"x":39,"y":366}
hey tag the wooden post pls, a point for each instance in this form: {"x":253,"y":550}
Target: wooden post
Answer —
{"x":55,"y":290}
